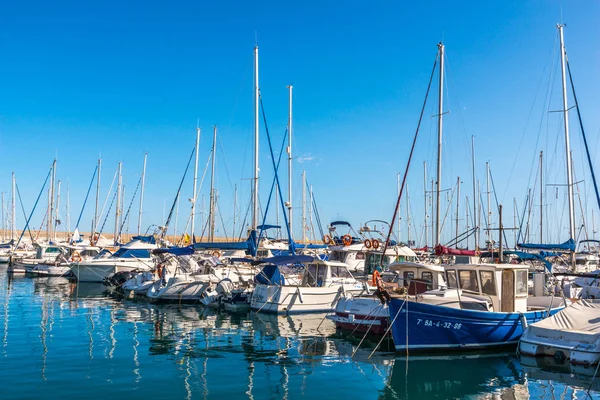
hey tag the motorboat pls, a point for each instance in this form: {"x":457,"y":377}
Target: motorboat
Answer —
{"x":572,"y":334}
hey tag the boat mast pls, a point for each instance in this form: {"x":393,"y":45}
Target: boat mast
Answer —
{"x":256,"y":128}
{"x":439,"y":149}
{"x":541,"y":197}
{"x":50,"y":223}
{"x":399,"y":213}
{"x":474,"y":193}
{"x":96,"y":216}
{"x":234,"y":207}
{"x":68,"y":210}
{"x":310,"y":212}
{"x":13,"y":216}
{"x":193,"y":199}
{"x":117,"y":211}
{"x":426,"y":198}
{"x":489,"y":205}
{"x":57,"y":209}
{"x":407,"y":216}
{"x":567,"y":144}
{"x":139,"y":227}
{"x":289,"y":151}
{"x":211,"y":208}
{"x":457,"y":207}
{"x":3,"y":224}
{"x":303,"y":206}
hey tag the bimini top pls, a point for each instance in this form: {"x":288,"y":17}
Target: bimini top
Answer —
{"x":176,"y":251}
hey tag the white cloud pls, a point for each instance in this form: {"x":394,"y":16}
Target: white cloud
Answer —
{"x":306,"y":158}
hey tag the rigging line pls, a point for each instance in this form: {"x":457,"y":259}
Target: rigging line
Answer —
{"x":285,"y":217}
{"x":164,"y":232}
{"x":107,"y":213}
{"x":587,"y":150}
{"x":220,"y":142}
{"x":108,"y":194}
{"x":189,"y":220}
{"x":86,"y":197}
{"x":129,"y":208}
{"x":223,"y":223}
{"x":34,"y":206}
{"x":553,"y":50}
{"x":412,"y":149}
{"x":316,"y":214}
{"x":24,"y":214}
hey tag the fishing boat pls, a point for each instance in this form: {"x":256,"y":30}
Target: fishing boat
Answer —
{"x":134,"y":255}
{"x":486,"y":306}
{"x":572,"y":334}
{"x":61,"y":265}
{"x":320,"y":286}
{"x":369,"y":312}
{"x":43,"y":253}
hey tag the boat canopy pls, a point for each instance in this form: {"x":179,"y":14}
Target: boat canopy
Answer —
{"x":145,"y":239}
{"x":125,"y":252}
{"x":569,"y":245}
{"x":531,"y":257}
{"x":264,"y":227}
{"x":249,"y":245}
{"x":176,"y":251}
{"x":441,"y":250}
{"x":270,"y":275}
{"x":345,"y":223}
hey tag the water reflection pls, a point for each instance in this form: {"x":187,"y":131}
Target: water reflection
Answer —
{"x":82,"y":341}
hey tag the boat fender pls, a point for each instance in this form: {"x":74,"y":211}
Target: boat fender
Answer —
{"x":523,"y":319}
{"x":300,"y":295}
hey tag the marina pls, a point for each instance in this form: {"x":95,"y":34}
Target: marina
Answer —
{"x":345,"y":206}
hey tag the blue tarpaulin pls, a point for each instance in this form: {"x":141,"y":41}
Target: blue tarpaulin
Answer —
{"x":569,"y":245}
{"x":270,"y":275}
{"x":146,"y":239}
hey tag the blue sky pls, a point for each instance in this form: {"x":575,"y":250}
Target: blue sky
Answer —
{"x":113,"y":79}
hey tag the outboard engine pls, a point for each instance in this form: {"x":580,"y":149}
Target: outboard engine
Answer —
{"x":116,"y":280}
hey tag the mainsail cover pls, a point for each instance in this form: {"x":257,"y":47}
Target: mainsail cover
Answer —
{"x":569,"y":245}
{"x":442,"y":250}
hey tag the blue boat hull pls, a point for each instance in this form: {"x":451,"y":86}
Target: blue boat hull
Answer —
{"x":425,"y":327}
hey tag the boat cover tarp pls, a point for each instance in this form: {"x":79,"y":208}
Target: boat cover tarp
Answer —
{"x":270,"y":275}
{"x":580,"y":322}
{"x":569,"y":245}
{"x":145,"y":239}
{"x":249,"y":245}
{"x":441,"y":250}
{"x":590,"y":278}
{"x":531,"y":257}
{"x":176,"y":251}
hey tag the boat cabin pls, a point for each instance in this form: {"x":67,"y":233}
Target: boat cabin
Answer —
{"x":326,"y":273}
{"x":47,"y":252}
{"x":417,"y":278}
{"x":504,"y":284}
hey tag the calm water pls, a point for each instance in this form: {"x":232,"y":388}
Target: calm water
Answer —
{"x":62,"y":340}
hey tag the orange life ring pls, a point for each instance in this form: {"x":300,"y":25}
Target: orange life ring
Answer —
{"x":347,"y":240}
{"x":368,"y":243}
{"x":159,"y":271}
{"x":376,"y":244}
{"x":376,"y":278}
{"x":216,"y":253}
{"x":76,"y":257}
{"x":327,"y":239}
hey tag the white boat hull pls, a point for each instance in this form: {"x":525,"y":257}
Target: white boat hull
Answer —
{"x":297,"y":299}
{"x":96,"y":271}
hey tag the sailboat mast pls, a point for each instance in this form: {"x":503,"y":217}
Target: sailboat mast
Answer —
{"x":139,"y":227}
{"x":57,"y":209}
{"x":234,"y":208}
{"x":117,"y":206}
{"x":289,"y":151}
{"x":407,"y":216}
{"x":211,"y":208}
{"x":303,"y":206}
{"x":13,"y":216}
{"x":256,"y":128}
{"x":425,"y":203}
{"x":474,"y":193}
{"x":68,"y":210}
{"x":439,"y":149}
{"x":489,"y":204}
{"x":457,"y":207}
{"x":3,"y":225}
{"x":399,"y":213}
{"x":567,"y":141}
{"x":541,"y":197}
{"x":96,"y":216}
{"x":195,"y":182}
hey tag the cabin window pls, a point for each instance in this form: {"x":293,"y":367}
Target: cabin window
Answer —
{"x":468,"y":280}
{"x":341,"y":272}
{"x":311,"y":276}
{"x":451,"y":276}
{"x":521,"y":282}
{"x":359,"y":256}
{"x":488,"y":285}
{"x":408,"y":276}
{"x":52,"y":250}
{"x":427,"y":276}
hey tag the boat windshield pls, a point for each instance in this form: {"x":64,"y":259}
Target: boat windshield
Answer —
{"x":131,"y":253}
